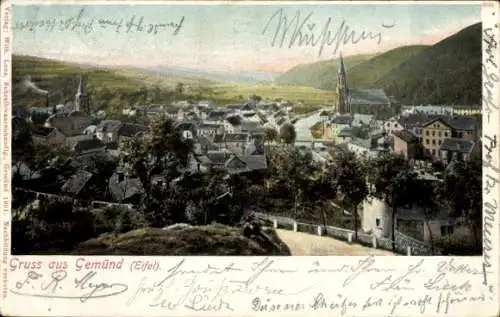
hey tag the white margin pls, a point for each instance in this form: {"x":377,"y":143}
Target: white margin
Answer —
{"x":349,"y":283}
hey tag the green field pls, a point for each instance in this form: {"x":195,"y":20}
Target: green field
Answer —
{"x":308,"y":95}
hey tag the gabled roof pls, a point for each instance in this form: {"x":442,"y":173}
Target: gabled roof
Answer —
{"x":230,"y":137}
{"x":249,"y":126}
{"x":255,"y":162}
{"x":234,"y":120}
{"x":346,"y":132}
{"x":219,"y":157}
{"x":463,"y":123}
{"x":457,"y":145}
{"x":109,"y":125}
{"x":76,"y":182}
{"x":342,"y":119}
{"x":405,"y":135}
{"x":441,"y":119}
{"x":131,"y":130}
{"x":85,"y":145}
{"x":42,"y":131}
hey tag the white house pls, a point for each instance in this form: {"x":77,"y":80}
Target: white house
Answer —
{"x":376,"y":219}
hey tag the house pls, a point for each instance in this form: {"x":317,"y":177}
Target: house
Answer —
{"x":345,"y":135}
{"x":457,"y":149}
{"x":236,"y":164}
{"x":128,"y":131}
{"x":47,"y":136}
{"x":405,"y":143}
{"x":232,"y":124}
{"x":434,"y":133}
{"x":362,"y":120}
{"x":235,"y":142}
{"x":336,"y":125}
{"x":76,"y":183}
{"x":392,"y":125}
{"x":376,"y":219}
{"x":188,"y":129}
{"x":89,"y":147}
{"x":152,"y":111}
{"x":216,"y":117}
{"x":107,"y":130}
{"x":69,"y":124}
{"x":124,"y":187}
{"x":466,"y":110}
{"x":210,"y":129}
{"x":465,"y":127}
{"x":203,"y":145}
{"x":363,"y":147}
{"x":414,"y":123}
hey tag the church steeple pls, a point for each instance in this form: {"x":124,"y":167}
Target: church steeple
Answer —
{"x":342,"y":89}
{"x":81,"y":97}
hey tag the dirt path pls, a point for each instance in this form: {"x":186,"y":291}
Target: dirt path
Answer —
{"x":308,"y":244}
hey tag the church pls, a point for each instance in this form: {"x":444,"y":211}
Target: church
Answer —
{"x":72,"y":119}
{"x":362,"y":101}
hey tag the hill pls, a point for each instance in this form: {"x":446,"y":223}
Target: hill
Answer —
{"x":367,"y":73}
{"x":114,"y":88}
{"x":203,"y":240}
{"x":321,"y":75}
{"x":445,"y":73}
{"x":109,"y":88}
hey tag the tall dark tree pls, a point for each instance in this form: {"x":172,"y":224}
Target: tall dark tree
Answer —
{"x":351,"y":182}
{"x":288,"y":134}
{"x":391,"y":180}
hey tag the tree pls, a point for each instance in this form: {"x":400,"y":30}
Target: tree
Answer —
{"x":288,"y":134}
{"x":428,"y":190}
{"x":391,"y":180}
{"x":351,"y":182}
{"x":179,"y":89}
{"x":163,"y":152}
{"x":270,"y":135}
{"x":461,"y":193}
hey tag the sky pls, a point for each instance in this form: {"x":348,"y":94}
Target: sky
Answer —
{"x":229,"y":37}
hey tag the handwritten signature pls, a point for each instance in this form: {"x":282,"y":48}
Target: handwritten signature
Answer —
{"x":82,"y":24}
{"x":53,"y":286}
{"x":297,"y":31}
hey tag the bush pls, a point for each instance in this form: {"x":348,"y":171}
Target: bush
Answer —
{"x":459,"y":243}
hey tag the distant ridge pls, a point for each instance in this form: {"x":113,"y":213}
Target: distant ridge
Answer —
{"x":322,"y":75}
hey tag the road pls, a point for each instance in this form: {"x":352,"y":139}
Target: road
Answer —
{"x":301,"y":243}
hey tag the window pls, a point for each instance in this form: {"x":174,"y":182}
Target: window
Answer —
{"x":446,"y":230}
{"x":439,"y":142}
{"x":395,"y":125}
{"x":427,"y":141}
{"x":439,"y":133}
{"x":433,"y":142}
{"x":427,"y":132}
{"x":377,"y":222}
{"x":433,"y":133}
{"x":446,"y":134}
{"x":433,"y":152}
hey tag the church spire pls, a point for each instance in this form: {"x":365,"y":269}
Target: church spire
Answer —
{"x":81,"y":97}
{"x":342,"y":89}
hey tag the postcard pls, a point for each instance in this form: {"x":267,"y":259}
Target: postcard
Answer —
{"x":249,"y":158}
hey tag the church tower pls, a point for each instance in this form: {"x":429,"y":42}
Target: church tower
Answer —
{"x":342,"y":89}
{"x":81,"y":98}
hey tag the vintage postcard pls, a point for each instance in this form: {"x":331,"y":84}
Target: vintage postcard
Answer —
{"x":239,"y":158}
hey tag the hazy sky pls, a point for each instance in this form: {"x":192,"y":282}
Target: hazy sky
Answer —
{"x":228,"y":37}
